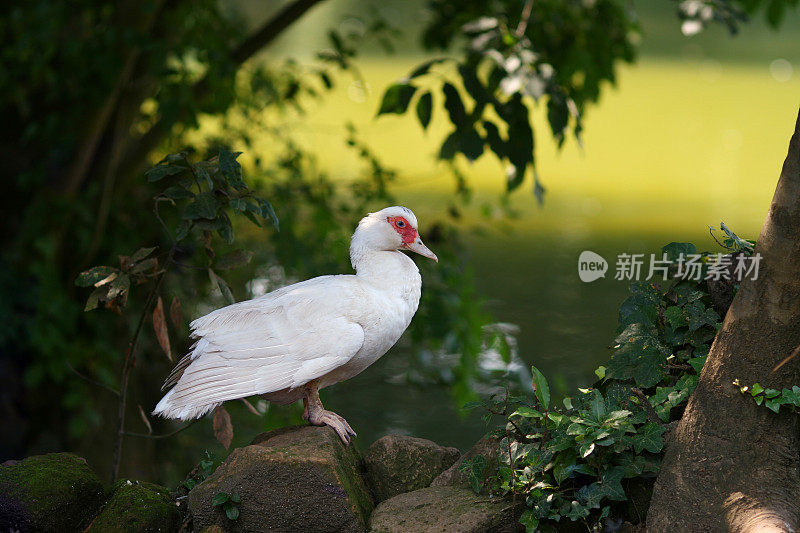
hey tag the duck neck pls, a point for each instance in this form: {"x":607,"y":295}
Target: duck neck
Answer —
{"x":389,"y":270}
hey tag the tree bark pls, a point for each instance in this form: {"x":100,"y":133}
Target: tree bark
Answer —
{"x":734,"y":465}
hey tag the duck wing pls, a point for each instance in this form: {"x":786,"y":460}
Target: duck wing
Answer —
{"x":281,"y":340}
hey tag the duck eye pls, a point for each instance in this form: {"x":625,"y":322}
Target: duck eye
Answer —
{"x":401,"y":224}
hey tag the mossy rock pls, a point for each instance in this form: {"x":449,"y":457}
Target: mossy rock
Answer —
{"x":55,"y":492}
{"x":289,"y":480}
{"x":486,"y":447}
{"x":138,"y":507}
{"x":398,"y":463}
{"x":442,"y":510}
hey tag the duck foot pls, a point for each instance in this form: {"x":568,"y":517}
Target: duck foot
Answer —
{"x":319,"y":416}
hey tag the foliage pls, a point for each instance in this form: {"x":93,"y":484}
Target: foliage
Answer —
{"x":204,"y":195}
{"x":228,"y":503}
{"x":517,"y":55}
{"x":200,"y":472}
{"x":772,"y":399}
{"x":579,"y":462}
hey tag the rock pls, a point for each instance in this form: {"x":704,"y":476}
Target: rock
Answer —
{"x":54,"y":492}
{"x":443,"y":510}
{"x":487,"y":447}
{"x":289,"y":480}
{"x":397,"y":464}
{"x":138,"y":507}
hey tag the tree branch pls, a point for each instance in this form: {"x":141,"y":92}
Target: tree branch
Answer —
{"x":249,"y":47}
{"x":271,"y":30}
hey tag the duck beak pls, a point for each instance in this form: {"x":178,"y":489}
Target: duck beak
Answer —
{"x":418,"y":247}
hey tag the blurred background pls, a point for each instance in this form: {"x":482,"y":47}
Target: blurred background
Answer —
{"x":684,"y":129}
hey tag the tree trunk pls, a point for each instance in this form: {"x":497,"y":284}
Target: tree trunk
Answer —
{"x":734,"y":465}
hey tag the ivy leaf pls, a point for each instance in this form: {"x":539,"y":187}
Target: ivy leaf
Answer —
{"x":529,"y":520}
{"x":649,"y":438}
{"x":541,"y":387}
{"x":223,"y":429}
{"x":396,"y":98}
{"x":232,"y":512}
{"x":674,"y":315}
{"x":674,"y":250}
{"x":424,"y":109}
{"x":611,"y":481}
{"x":219,"y":499}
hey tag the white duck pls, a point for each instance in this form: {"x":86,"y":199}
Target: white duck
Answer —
{"x":290,"y":343}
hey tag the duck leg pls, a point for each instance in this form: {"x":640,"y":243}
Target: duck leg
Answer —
{"x":318,"y":416}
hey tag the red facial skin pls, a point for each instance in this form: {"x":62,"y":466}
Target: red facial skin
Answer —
{"x":401,"y":226}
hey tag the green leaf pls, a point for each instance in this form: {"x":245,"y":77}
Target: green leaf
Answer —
{"x":144,"y":266}
{"x":425,"y":109}
{"x":697,"y":363}
{"x":160,"y":171}
{"x":201,"y":171}
{"x":454,"y":105}
{"x":225,"y":228}
{"x":674,"y":315}
{"x":94,"y":275}
{"x":773,"y":405}
{"x":577,"y":511}
{"x":425,"y":67}
{"x":649,"y":438}
{"x":232,"y":512}
{"x":756,"y":389}
{"x":119,"y":286}
{"x":234,"y":259}
{"x":204,"y":206}
{"x":541,"y":387}
{"x":526,"y":412}
{"x":230,"y":167}
{"x":611,"y":481}
{"x":529,"y":520}
{"x":183,"y":230}
{"x":176,"y":192}
{"x":95,"y":297}
{"x":396,"y":98}
{"x":600,"y":372}
{"x":674,"y":250}
{"x":219,"y":499}
{"x":223,"y":287}
{"x":235,"y":498}
{"x":141,"y":253}
{"x":267,"y":211}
